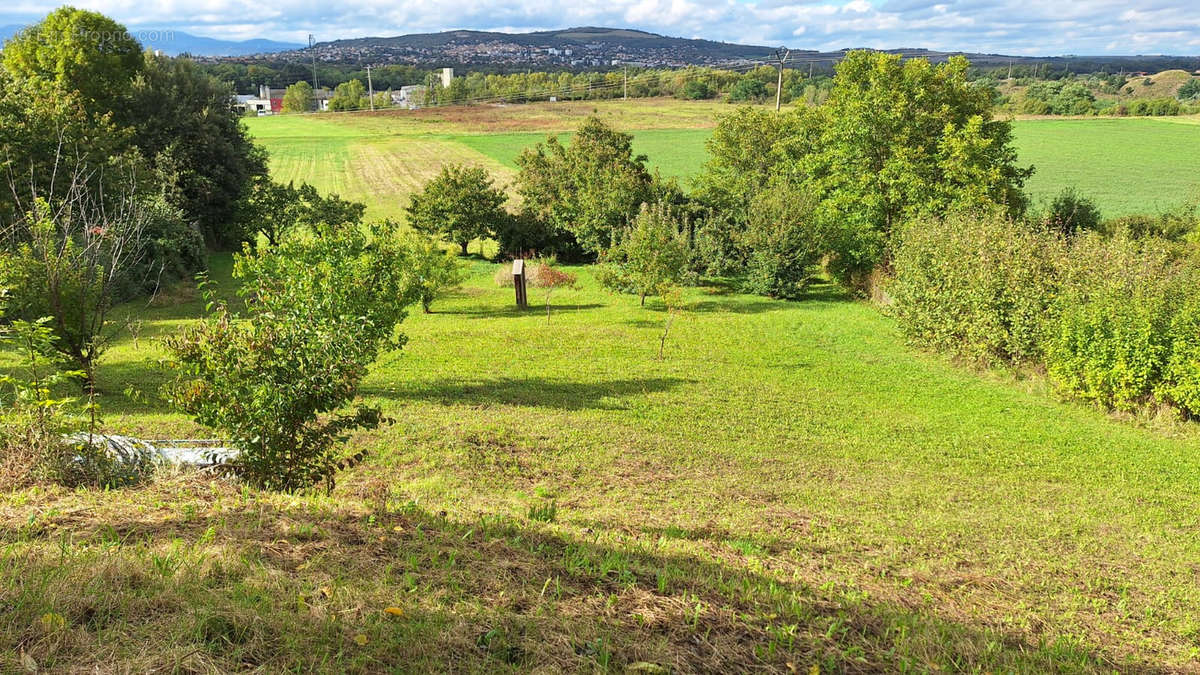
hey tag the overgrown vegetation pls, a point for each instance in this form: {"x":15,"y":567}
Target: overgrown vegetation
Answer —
{"x":319,"y":311}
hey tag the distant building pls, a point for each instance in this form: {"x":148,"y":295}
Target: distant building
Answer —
{"x":249,"y":103}
{"x":447,"y":77}
{"x":410,"y":96}
{"x":270,"y":100}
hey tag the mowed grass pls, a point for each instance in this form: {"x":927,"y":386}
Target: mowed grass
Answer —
{"x":1126,"y":165}
{"x":790,"y":486}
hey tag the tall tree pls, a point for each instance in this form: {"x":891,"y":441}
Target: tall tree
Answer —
{"x":298,"y":98}
{"x":184,"y":125}
{"x":350,"y":95}
{"x":79,"y":51}
{"x":589,"y":188}
{"x":461,"y":204}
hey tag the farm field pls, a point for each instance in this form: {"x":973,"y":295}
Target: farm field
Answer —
{"x":791,"y":486}
{"x":1127,"y":165}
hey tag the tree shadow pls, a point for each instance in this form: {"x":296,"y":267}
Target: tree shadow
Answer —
{"x":495,"y":592}
{"x":513,"y":311}
{"x":528,"y":391}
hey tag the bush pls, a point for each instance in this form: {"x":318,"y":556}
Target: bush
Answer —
{"x":696,"y":90}
{"x":649,"y":255}
{"x":275,"y":382}
{"x":1109,"y":336}
{"x":1190,"y":91}
{"x":431,"y":270}
{"x":174,"y":251}
{"x":1176,"y":225}
{"x":783,"y":242}
{"x":748,"y":89}
{"x":73,"y":260}
{"x":1181,"y":376}
{"x":976,"y":285}
{"x":35,"y":422}
{"x":1070,"y":213}
{"x":1155,"y":107}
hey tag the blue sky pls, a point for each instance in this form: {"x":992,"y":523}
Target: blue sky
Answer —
{"x":1048,"y":27}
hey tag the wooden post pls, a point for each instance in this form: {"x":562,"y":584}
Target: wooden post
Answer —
{"x":518,"y":272}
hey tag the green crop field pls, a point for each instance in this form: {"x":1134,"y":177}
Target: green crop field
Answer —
{"x":1126,"y":165}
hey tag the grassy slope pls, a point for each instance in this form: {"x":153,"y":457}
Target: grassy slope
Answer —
{"x":1126,"y":165}
{"x":790,"y":486}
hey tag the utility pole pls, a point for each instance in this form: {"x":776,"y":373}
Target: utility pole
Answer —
{"x":781,"y":55}
{"x":312,"y":42}
{"x":370,"y":89}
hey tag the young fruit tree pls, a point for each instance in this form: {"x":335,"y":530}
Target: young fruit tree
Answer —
{"x":278,"y":380}
{"x":432,"y":269}
{"x":649,"y":255}
{"x":550,"y":279}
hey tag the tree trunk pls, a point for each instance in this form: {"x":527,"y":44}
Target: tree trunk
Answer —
{"x":464,"y":247}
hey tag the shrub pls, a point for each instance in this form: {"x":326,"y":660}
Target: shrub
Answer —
{"x":783,"y":242}
{"x":650,"y":254}
{"x":1190,"y":91}
{"x":34,"y":422}
{"x":319,"y":310}
{"x":1181,"y":375}
{"x":431,"y":270}
{"x":174,"y":251}
{"x":1176,"y":225}
{"x":1070,"y":213}
{"x":748,"y":89}
{"x":71,"y":261}
{"x":1109,"y":333}
{"x":696,"y":90}
{"x":976,"y":285}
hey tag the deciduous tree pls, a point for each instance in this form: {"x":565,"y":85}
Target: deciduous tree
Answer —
{"x":461,"y":204}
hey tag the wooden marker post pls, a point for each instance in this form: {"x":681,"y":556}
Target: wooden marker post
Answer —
{"x":518,"y":272}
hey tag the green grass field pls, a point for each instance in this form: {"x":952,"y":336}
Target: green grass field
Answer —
{"x":790,"y":487}
{"x":1125,"y":165}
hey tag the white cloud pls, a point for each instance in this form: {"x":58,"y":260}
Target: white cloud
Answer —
{"x":1003,"y":26}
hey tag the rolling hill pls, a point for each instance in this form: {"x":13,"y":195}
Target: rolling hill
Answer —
{"x":174,"y":42}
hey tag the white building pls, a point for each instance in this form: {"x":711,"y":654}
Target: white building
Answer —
{"x":410,"y":96}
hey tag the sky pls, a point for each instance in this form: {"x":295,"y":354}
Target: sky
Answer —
{"x":1021,"y":27}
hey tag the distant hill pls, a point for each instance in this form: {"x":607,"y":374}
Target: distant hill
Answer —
{"x":568,"y":38}
{"x":598,"y":47}
{"x":1160,"y":85}
{"x":174,"y":42}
